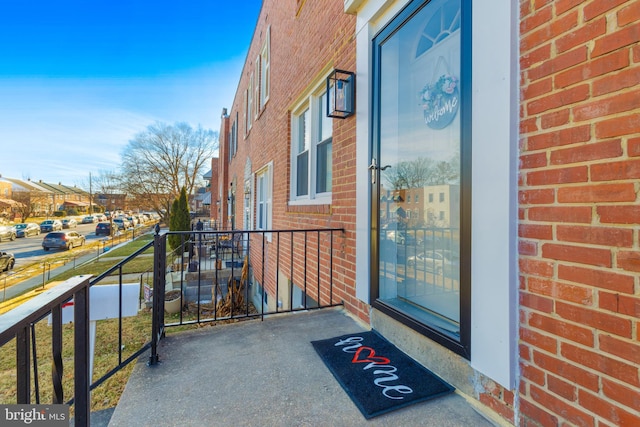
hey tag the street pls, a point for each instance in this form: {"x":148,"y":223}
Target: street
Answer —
{"x":28,"y":250}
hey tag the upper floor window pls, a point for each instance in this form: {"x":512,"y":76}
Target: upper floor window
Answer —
{"x":250,"y":103}
{"x":233,"y":138}
{"x":265,"y":69}
{"x":312,"y":151}
{"x":256,"y":89}
{"x":247,"y":111}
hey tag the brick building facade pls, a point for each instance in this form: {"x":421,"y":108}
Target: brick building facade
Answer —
{"x":578,"y":213}
{"x":544,"y":325}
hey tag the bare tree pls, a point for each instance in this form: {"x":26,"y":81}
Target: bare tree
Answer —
{"x":447,"y":172}
{"x":158,"y":162}
{"x":106,"y":182}
{"x":410,"y":174}
{"x":421,"y":172}
{"x":31,"y":202}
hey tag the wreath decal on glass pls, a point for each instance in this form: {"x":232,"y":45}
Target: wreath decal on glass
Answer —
{"x":440,"y":101}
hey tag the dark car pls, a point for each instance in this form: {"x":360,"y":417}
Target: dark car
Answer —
{"x":69,"y":223}
{"x":103,"y":228}
{"x":27,"y":229}
{"x":50,"y":225}
{"x":7,"y":233}
{"x":7,"y":261}
{"x":62,"y":240}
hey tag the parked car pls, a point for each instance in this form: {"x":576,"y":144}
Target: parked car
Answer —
{"x":7,"y":261}
{"x":122,"y":223}
{"x":437,"y":262}
{"x":7,"y":233}
{"x":401,"y":237}
{"x":62,"y":240}
{"x":27,"y":229}
{"x":103,"y":228}
{"x":50,"y":225}
{"x":100,"y":217}
{"x":88,"y":219}
{"x":69,"y":223}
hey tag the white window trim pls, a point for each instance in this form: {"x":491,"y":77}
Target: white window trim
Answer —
{"x":247,"y":115}
{"x":257,"y":89}
{"x":250,"y":104}
{"x":265,"y":69}
{"x":312,"y":102}
{"x":250,"y":183}
{"x":267,"y":171}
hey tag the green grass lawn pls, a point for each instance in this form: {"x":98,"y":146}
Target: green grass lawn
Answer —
{"x":140,"y":264}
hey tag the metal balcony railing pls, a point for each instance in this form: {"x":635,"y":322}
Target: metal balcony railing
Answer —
{"x":218,"y":275}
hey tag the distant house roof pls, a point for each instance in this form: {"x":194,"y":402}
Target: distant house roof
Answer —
{"x":75,"y":203}
{"x":207,"y":175}
{"x":26,"y":185}
{"x":62,"y":189}
{"x":205,"y":198}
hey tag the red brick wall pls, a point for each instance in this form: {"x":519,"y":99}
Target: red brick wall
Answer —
{"x":213,"y":188}
{"x":223,"y":167}
{"x":579,"y":253}
{"x":317,"y":34}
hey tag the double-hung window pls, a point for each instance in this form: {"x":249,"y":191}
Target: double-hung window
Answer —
{"x":263,"y":197}
{"x":265,"y":69}
{"x":311,"y":156}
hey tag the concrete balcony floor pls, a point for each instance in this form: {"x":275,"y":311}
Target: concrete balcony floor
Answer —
{"x":262,"y":373}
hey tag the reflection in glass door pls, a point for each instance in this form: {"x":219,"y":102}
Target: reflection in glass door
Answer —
{"x":417,"y":143}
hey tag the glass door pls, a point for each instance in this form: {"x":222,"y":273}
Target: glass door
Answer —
{"x":416,"y":166}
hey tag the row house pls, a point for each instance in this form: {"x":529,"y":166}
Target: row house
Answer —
{"x":509,"y":132}
{"x":65,"y":197}
{"x":38,"y":198}
{"x":46,"y":198}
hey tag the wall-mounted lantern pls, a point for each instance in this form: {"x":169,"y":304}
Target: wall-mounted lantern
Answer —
{"x":341,"y":87}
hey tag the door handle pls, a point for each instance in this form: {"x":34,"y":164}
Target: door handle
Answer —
{"x":374,"y":168}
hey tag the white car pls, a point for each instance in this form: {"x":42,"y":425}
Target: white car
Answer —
{"x":437,"y":262}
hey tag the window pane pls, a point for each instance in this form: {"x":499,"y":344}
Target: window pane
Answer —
{"x":418,"y":266}
{"x":261,"y":204}
{"x":323,"y":178}
{"x":302,"y":176}
{"x":326,"y":123}
{"x":304,"y":135}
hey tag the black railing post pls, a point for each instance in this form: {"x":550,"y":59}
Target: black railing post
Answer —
{"x":36,"y":378}
{"x":23,"y":370}
{"x":159,"y":277}
{"x":82,"y":380}
{"x":57,"y":368}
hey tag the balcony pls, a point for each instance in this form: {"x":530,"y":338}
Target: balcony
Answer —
{"x":249,"y":364}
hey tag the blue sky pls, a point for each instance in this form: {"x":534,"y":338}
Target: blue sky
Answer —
{"x":78,"y":79}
